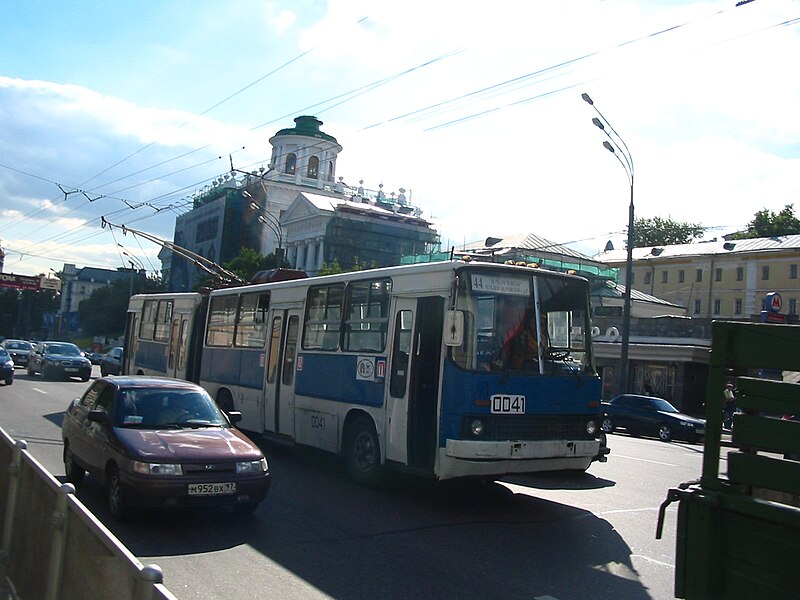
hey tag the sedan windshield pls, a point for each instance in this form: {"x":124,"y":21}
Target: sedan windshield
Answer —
{"x":18,"y":346}
{"x":166,"y":408}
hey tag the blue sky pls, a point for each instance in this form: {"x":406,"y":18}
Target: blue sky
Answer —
{"x":123,"y":110}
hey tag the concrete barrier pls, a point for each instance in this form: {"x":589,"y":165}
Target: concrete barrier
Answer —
{"x":53,"y":548}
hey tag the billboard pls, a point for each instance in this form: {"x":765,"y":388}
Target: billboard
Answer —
{"x":20,"y":282}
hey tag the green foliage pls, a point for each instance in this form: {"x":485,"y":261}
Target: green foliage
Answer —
{"x":105,"y":311}
{"x":22,"y":312}
{"x":664,"y":232}
{"x":336,"y":267}
{"x":766,"y":223}
{"x":331,"y":269}
{"x":246,"y":264}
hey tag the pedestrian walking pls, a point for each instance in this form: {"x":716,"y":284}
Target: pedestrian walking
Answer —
{"x":729,"y":408}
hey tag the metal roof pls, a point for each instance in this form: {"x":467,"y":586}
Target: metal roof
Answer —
{"x":526,"y":241}
{"x":753,"y":245}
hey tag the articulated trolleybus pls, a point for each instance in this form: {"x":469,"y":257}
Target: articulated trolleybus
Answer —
{"x":451,"y":369}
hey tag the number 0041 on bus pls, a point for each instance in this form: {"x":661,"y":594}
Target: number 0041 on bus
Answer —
{"x":505,"y":404}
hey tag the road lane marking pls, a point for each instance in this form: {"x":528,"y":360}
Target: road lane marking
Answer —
{"x":653,"y":560}
{"x":655,"y":462}
{"x":40,"y":391}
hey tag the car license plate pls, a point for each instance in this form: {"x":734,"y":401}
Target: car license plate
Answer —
{"x":71,"y":369}
{"x":506,"y":404}
{"x":212,"y":489}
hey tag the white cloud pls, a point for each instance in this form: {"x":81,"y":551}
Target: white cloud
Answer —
{"x":707,"y":110}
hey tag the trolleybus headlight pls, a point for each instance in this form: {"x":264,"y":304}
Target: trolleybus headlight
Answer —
{"x":252,"y":466}
{"x":591,"y":428}
{"x":145,"y":468}
{"x":477,"y":428}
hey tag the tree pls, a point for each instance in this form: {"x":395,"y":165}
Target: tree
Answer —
{"x":105,"y":311}
{"x":656,"y":231}
{"x":766,"y":223}
{"x":246,"y":264}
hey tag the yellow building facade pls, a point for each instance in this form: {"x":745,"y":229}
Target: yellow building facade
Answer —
{"x":718,"y":280}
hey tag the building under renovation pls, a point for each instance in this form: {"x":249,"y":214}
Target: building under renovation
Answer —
{"x":297,"y":209}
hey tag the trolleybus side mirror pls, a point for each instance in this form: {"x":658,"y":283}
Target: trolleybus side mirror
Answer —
{"x":454,"y":328}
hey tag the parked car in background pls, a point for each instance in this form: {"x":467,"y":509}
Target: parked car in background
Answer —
{"x":19,"y":351}
{"x":6,"y":367}
{"x":650,"y":416}
{"x":160,"y":442}
{"x":59,"y":359}
{"x":111,"y":362}
{"x":94,"y":357}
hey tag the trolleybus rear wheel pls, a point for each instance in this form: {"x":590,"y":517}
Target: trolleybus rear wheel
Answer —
{"x":362,"y":453}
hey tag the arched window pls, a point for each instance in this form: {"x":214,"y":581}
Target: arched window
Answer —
{"x":330,"y":171}
{"x":313,"y":167}
{"x":291,"y":161}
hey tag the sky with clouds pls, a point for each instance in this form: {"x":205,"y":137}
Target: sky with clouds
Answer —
{"x":123,"y":110}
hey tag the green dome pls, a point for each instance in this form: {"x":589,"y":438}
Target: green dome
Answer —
{"x":307,"y":126}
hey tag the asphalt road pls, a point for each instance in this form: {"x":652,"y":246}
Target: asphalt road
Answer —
{"x":317,"y":535}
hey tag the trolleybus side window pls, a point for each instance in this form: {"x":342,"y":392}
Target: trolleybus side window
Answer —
{"x":148,"y":323}
{"x":367,"y":313}
{"x":323,"y":317}
{"x":163,"y":321}
{"x":251,"y":324}
{"x":221,"y":321}
{"x":156,"y":320}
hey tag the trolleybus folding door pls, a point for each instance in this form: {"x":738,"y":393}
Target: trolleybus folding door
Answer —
{"x":176,"y":359}
{"x":412,"y":419}
{"x":280,"y":372}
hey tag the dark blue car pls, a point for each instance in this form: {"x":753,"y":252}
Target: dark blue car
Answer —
{"x":650,"y":416}
{"x":6,"y":367}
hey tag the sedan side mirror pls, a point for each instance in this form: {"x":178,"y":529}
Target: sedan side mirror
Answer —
{"x":234,"y":416}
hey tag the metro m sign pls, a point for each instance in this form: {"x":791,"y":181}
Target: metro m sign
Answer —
{"x":773,"y":302}
{"x":19,"y":282}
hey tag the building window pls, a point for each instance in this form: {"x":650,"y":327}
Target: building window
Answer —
{"x":717,"y":306}
{"x":717,"y":274}
{"x":765,"y":272}
{"x":291,"y":163}
{"x":792,"y":306}
{"x":697,"y":307}
{"x":647,"y":278}
{"x":313,"y":167}
{"x":664,"y":276}
{"x":699,"y":275}
{"x":737,"y":306}
{"x":739,"y":273}
{"x":681,"y":276}
{"x":792,"y":271}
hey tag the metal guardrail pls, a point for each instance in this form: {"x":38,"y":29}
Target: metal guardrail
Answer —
{"x":53,"y":548}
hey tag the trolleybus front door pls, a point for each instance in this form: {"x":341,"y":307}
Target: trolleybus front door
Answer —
{"x":423,"y":395}
{"x":412,"y":405}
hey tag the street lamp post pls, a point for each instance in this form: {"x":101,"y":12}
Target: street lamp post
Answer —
{"x":274,"y":225}
{"x":138,"y":264}
{"x":616,"y":145}
{"x":266,"y":218}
